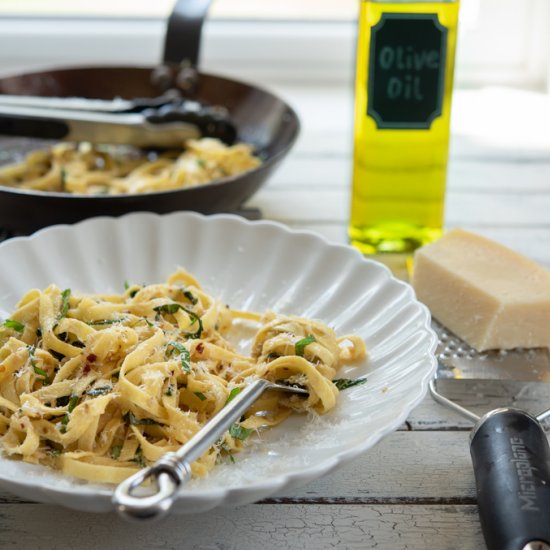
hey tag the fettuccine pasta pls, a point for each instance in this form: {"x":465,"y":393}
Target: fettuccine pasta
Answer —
{"x":101,"y":385}
{"x":89,"y":170}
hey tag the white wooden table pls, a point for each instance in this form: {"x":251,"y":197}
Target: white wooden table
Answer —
{"x":415,"y":489}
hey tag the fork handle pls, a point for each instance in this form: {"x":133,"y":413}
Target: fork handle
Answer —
{"x":174,"y":469}
{"x":511,"y":460}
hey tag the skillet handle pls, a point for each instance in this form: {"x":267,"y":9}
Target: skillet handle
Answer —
{"x":511,"y":460}
{"x":183,"y":36}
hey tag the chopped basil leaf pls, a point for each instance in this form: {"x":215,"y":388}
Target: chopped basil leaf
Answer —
{"x":224,"y":447}
{"x":14,"y":325}
{"x":63,"y":178}
{"x":143,"y":320}
{"x":54,"y":452}
{"x":130,"y":419}
{"x":35,"y":367}
{"x":100,"y":390}
{"x":300,"y":345}
{"x":201,"y":163}
{"x":172,"y":308}
{"x":345,"y":383}
{"x":176,"y":346}
{"x":73,"y":402}
{"x":232,"y":394}
{"x":65,"y":297}
{"x":239,"y":432}
{"x":191,"y":297}
{"x":139,"y":458}
{"x":169,"y":308}
{"x":200,"y":395}
{"x":106,"y":321}
{"x":126,"y":284}
{"x":42,"y":372}
{"x":184,"y":357}
{"x":115,"y":451}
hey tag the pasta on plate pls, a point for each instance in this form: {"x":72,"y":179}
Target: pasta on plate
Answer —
{"x":88,"y":170}
{"x":101,"y":385}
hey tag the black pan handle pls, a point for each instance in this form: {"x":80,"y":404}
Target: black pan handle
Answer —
{"x":183,"y":35}
{"x":511,"y":459}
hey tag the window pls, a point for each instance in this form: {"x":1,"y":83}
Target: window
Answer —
{"x":500,"y":41}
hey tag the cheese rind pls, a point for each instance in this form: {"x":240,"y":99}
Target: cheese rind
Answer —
{"x":487,"y":294}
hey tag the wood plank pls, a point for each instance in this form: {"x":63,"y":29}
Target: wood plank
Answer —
{"x":480,"y":397}
{"x":332,"y":205}
{"x":465,"y":175}
{"x":407,"y":467}
{"x":266,"y":526}
{"x":326,"y":114}
{"x":500,"y":176}
{"x":335,"y":139}
{"x":527,"y":240}
{"x":392,"y":471}
{"x":312,"y":172}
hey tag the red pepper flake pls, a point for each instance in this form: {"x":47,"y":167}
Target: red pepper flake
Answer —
{"x":92,"y":358}
{"x":86,"y":368}
{"x":200,"y":347}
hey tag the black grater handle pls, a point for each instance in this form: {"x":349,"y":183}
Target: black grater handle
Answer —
{"x":511,"y":459}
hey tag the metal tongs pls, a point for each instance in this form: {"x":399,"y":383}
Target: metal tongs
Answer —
{"x":162,"y":122}
{"x":168,"y":474}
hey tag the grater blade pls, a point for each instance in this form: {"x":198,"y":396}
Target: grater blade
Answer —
{"x":457,"y":360}
{"x":472,"y":383}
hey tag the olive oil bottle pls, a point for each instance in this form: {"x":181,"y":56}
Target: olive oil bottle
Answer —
{"x":404,"y":81}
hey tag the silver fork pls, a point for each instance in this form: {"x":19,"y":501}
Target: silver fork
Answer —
{"x":173,"y":470}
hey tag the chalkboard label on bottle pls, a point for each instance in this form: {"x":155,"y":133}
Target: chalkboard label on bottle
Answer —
{"x":406,"y":70}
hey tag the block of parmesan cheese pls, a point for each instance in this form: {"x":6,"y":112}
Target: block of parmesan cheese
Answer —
{"x":487,"y":294}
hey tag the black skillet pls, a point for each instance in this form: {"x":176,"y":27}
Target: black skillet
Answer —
{"x":262,"y":120}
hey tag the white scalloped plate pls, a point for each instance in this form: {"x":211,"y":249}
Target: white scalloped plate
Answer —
{"x":252,"y":266}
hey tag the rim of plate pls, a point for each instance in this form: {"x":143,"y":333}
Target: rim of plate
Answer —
{"x":271,"y":485}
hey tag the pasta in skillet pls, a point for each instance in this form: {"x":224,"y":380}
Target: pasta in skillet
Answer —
{"x":101,"y":385}
{"x":89,"y":170}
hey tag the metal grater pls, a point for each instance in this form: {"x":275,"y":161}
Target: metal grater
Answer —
{"x":509,"y":448}
{"x":458,"y":360}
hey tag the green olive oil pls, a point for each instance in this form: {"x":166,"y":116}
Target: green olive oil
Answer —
{"x":404,"y":80}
